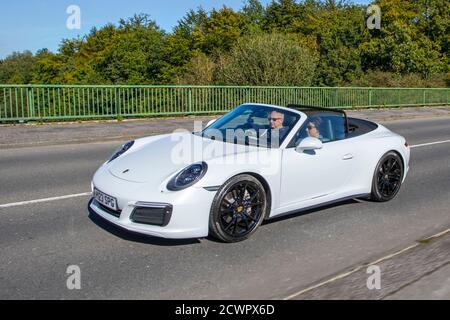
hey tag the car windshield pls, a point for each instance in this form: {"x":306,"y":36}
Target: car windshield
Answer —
{"x":255,"y":125}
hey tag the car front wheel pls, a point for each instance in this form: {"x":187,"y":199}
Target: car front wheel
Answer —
{"x":238,"y":209}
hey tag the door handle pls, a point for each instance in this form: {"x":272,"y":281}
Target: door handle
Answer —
{"x":348,"y":156}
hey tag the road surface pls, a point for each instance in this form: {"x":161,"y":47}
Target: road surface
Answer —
{"x":39,"y":240}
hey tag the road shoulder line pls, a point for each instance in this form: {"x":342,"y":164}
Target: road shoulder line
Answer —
{"x":24,"y":203}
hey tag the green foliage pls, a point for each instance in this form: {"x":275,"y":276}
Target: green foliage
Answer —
{"x":412,"y":38}
{"x":395,"y":80}
{"x":253,"y":15}
{"x":327,"y":39}
{"x":284,"y":16}
{"x":200,"y":71}
{"x":177,"y":52}
{"x":136,"y":55}
{"x":49,"y":68}
{"x":18,"y":68}
{"x":222,"y":30}
{"x":339,"y":31}
{"x":268,"y":60}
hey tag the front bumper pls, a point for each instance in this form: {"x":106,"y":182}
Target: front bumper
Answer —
{"x":190,"y":207}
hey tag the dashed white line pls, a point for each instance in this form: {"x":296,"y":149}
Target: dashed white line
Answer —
{"x":24,"y":203}
{"x":429,"y":144}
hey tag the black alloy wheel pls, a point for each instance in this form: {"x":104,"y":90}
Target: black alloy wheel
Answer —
{"x":238,"y":209}
{"x":388,"y":177}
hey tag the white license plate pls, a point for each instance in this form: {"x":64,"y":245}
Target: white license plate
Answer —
{"x":104,"y":199}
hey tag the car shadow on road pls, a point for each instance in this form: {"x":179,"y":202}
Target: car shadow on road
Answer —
{"x":299,"y":213}
{"x":135,"y":237}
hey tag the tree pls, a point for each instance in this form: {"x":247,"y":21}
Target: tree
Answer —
{"x":136,"y":57}
{"x":48,"y":68}
{"x":433,"y":20}
{"x":177,"y":52}
{"x":223,"y":28}
{"x":406,"y":42}
{"x":200,"y":71}
{"x":268,"y":60}
{"x":18,"y":68}
{"x":191,"y":21}
{"x":253,"y":14}
{"x":413,"y":43}
{"x":339,"y":30}
{"x":283,"y":16}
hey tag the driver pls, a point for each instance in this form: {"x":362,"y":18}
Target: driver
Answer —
{"x":276,"y":120}
{"x":277,"y":128}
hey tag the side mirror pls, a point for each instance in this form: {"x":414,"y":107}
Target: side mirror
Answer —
{"x":210,"y":122}
{"x":309,"y":144}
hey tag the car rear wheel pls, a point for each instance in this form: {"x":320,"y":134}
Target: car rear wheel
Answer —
{"x":387,"y":178}
{"x":238,"y":209}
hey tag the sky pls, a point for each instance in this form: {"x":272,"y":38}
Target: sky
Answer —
{"x":36,"y":24}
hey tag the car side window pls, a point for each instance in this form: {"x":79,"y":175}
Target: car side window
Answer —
{"x":325,"y":127}
{"x":333,"y":128}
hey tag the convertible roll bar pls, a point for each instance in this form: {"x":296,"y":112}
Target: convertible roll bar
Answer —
{"x":314,"y":108}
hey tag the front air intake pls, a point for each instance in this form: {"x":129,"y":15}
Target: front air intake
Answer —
{"x":156,"y":214}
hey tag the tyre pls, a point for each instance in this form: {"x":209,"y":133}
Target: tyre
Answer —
{"x":387,"y":178}
{"x":238,"y":209}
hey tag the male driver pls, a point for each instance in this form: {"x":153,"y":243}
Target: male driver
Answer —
{"x":277,"y":130}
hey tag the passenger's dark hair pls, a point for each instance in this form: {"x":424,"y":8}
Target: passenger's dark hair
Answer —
{"x":316,"y":120}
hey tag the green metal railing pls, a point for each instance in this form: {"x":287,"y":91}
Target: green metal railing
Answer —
{"x":57,"y":102}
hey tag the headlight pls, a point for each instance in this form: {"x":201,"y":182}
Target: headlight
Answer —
{"x":121,"y":150}
{"x":188,"y":176}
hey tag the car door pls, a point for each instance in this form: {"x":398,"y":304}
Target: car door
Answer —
{"x":313,"y":174}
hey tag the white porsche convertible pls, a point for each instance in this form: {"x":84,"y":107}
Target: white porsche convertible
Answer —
{"x":256,"y":162}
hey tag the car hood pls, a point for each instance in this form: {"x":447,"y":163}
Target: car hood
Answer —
{"x":162,"y":157}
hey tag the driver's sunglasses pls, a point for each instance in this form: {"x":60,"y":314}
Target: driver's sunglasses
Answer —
{"x":310,"y":127}
{"x":274,"y":119}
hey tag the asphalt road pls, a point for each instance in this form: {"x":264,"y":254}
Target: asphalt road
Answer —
{"x":39,"y":241}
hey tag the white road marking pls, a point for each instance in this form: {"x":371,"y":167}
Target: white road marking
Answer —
{"x":24,"y":203}
{"x":429,"y":144}
{"x":437,"y":235}
{"x":346,"y":274}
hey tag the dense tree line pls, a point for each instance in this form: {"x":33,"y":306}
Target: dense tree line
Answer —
{"x":287,"y":42}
